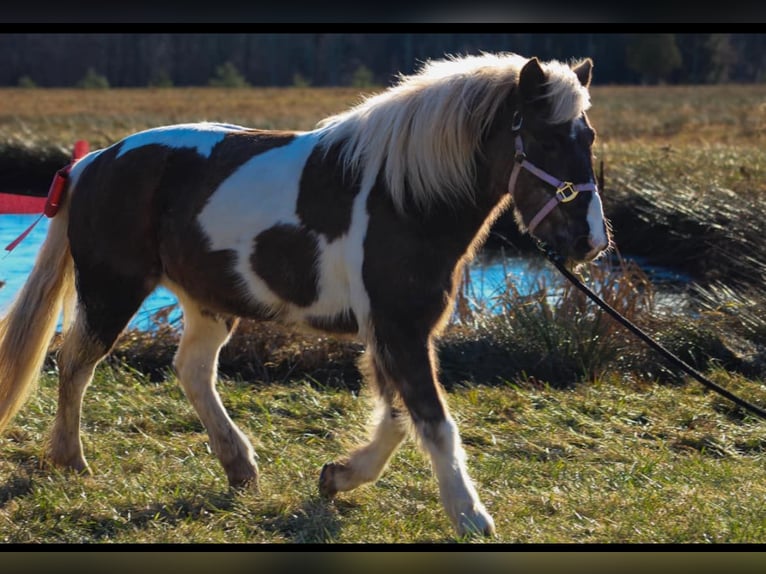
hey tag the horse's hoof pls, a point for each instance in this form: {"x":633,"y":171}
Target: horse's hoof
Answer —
{"x":243,"y":478}
{"x":77,"y":465}
{"x":241,"y":484}
{"x":479,"y":522}
{"x":327,"y":481}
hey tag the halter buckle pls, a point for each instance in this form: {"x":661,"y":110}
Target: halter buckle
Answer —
{"x":566,"y":192}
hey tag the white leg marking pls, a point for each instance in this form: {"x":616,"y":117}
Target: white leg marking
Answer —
{"x":196,"y":363}
{"x":458,"y":493}
{"x":368,"y":463}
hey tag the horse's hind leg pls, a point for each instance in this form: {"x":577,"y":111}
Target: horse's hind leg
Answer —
{"x":104,"y":308}
{"x":78,"y":357}
{"x":196,"y":363}
{"x":367,"y":463}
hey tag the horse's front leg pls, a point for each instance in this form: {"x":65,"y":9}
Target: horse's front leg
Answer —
{"x":368,"y":462}
{"x":411,"y":368}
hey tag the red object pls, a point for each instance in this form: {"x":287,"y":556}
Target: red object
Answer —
{"x":11,"y":203}
{"x":56,"y":191}
{"x":58,"y":185}
{"x":12,"y":245}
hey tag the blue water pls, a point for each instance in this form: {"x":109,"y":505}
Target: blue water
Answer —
{"x":16,"y":266}
{"x":489,"y":275}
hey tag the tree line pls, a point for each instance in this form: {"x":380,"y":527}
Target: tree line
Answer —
{"x":334,"y":59}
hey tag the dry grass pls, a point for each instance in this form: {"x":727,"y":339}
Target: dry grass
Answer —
{"x":60,"y":116}
{"x":681,"y":115}
{"x":689,"y":115}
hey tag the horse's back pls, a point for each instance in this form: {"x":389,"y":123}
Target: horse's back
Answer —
{"x":246,"y":222}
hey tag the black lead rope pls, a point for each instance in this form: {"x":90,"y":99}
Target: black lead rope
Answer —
{"x":557,"y":260}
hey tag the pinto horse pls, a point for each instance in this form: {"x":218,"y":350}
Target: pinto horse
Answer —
{"x":360,"y":227}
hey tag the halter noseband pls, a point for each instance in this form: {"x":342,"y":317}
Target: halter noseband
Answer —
{"x":566,"y":191}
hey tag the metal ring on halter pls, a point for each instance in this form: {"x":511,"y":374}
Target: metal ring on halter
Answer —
{"x":566,"y":192}
{"x":517,"y":121}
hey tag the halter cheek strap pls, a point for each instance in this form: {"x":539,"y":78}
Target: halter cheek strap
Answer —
{"x":565,"y":191}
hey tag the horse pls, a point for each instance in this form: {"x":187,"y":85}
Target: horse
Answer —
{"x":358,"y":228}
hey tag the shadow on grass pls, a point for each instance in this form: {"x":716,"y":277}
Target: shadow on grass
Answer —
{"x":19,"y":484}
{"x":316,"y":520}
{"x":131,"y":518}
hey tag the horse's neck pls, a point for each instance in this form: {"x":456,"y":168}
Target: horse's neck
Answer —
{"x":462,"y":227}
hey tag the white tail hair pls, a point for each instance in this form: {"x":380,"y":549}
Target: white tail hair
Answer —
{"x":28,"y":327}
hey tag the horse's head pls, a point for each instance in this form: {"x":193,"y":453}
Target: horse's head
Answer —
{"x":552,"y":181}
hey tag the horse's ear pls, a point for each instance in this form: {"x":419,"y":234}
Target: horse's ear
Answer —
{"x":531,"y":81}
{"x":584,"y":71}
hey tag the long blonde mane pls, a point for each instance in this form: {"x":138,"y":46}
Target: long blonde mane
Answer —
{"x":425,"y":130}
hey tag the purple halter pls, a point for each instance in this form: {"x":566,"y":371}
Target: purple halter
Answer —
{"x":565,"y":190}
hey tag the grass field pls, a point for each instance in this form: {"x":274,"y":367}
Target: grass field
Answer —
{"x":613,"y":461}
{"x":573,"y":431}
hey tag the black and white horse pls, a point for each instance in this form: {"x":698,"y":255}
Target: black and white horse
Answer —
{"x":360,"y":227}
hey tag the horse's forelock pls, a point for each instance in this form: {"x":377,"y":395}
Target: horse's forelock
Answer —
{"x":568,"y":98}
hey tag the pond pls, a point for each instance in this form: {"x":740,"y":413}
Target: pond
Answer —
{"x":487,"y":273}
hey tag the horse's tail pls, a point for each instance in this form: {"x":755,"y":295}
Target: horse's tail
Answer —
{"x":28,"y":327}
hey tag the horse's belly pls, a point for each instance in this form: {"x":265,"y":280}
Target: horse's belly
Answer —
{"x":303,"y":279}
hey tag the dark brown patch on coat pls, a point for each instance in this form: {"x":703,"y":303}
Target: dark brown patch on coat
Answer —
{"x":342,"y":323}
{"x":326,"y":196}
{"x":112,"y":223}
{"x":208,"y":276}
{"x":411,"y":272}
{"x":285,"y":257}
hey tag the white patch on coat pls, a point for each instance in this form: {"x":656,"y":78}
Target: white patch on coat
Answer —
{"x":202,"y":137}
{"x":262,"y":193}
{"x":598,"y":239}
{"x":259,"y":194}
{"x":354,"y":253}
{"x":595,"y":217}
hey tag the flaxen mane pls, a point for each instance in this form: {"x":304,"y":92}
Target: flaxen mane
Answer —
{"x":425,"y":131}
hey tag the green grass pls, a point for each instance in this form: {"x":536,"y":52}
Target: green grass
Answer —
{"x":609,"y":462}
